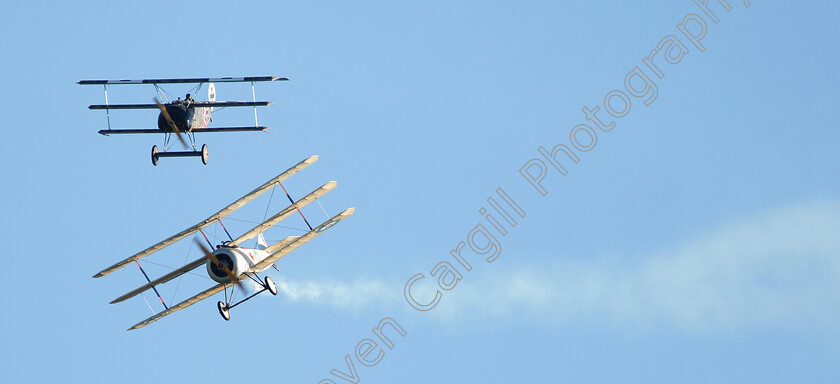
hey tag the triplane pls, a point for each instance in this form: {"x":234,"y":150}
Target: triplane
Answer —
{"x":229,"y":264}
{"x":183,"y":117}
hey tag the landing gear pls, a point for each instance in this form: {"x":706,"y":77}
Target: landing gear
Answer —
{"x":224,"y":310}
{"x":204,"y":154}
{"x":269,"y":284}
{"x":155,"y":157}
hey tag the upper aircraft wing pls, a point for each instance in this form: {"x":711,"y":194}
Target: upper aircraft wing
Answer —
{"x":218,"y":215}
{"x":217,"y":104}
{"x":186,"y":80}
{"x":292,"y":243}
{"x":177,"y":307}
{"x":107,"y":132}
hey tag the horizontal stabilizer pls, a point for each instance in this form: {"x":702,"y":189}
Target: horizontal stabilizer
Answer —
{"x":186,"y":80}
{"x":217,"y":104}
{"x":297,"y":242}
{"x":280,"y":216}
{"x":280,"y":244}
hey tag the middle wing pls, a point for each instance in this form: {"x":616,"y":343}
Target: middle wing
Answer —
{"x":160,"y":280}
{"x":177,"y":307}
{"x":218,"y":215}
{"x":218,"y":104}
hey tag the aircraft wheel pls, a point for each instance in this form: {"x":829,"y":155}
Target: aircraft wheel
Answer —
{"x":155,"y":157}
{"x":223,"y":310}
{"x":205,"y":154}
{"x":271,"y":286}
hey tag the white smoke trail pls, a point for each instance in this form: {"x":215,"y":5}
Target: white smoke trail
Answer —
{"x":358,"y":295}
{"x":780,"y":268}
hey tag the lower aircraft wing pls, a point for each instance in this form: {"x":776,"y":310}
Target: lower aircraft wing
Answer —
{"x":177,"y":307}
{"x":107,"y":132}
{"x":218,"y":215}
{"x":231,"y":129}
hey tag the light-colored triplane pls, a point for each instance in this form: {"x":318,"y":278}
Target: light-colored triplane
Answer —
{"x":183,"y":117}
{"x":229,"y":264}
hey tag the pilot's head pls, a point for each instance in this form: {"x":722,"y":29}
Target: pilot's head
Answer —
{"x":188,"y":96}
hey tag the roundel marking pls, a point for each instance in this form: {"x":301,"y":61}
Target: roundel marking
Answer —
{"x":327,"y":225}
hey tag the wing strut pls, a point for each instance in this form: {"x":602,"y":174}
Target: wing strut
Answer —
{"x":226,"y":231}
{"x":205,"y":237}
{"x":153,"y":287}
{"x":293,"y":203}
{"x":254,"y":98}
{"x":107,"y":110}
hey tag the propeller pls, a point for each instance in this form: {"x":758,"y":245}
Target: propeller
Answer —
{"x":220,"y":265}
{"x":169,"y":120}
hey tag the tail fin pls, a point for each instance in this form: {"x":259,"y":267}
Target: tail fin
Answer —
{"x":211,"y":97}
{"x":261,"y":243}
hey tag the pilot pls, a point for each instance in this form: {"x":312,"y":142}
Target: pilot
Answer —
{"x":188,"y":100}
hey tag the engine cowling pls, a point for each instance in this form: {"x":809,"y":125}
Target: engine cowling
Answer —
{"x":178,"y":115}
{"x":231,"y":258}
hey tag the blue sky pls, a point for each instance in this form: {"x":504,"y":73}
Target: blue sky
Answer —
{"x":696,"y":241}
